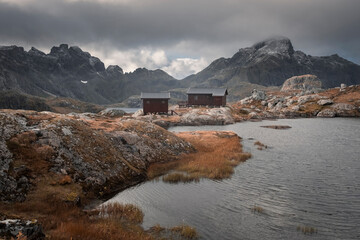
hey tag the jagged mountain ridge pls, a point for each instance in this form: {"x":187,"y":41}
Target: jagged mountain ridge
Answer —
{"x":270,"y":63}
{"x":71,"y":72}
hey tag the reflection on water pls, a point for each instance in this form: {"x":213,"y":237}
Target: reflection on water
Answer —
{"x":309,"y":176}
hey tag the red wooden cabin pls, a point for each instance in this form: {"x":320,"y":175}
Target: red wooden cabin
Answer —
{"x":155,"y":102}
{"x":207,"y":96}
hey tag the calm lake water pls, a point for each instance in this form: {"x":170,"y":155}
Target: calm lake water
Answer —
{"x":309,"y":176}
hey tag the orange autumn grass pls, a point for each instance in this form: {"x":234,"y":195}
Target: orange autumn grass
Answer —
{"x":217,"y":153}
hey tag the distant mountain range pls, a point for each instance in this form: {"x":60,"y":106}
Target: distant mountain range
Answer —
{"x":270,"y":63}
{"x":71,"y":72}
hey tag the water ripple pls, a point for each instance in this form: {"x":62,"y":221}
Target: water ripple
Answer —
{"x":309,"y":176}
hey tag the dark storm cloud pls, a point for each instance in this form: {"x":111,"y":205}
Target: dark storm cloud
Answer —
{"x":315,"y":26}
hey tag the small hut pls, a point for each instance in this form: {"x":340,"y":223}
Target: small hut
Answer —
{"x":207,"y":96}
{"x":155,"y":102}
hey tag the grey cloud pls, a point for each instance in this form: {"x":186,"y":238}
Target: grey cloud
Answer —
{"x":315,"y":26}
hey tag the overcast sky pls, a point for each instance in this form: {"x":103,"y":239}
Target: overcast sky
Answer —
{"x":180,"y":36}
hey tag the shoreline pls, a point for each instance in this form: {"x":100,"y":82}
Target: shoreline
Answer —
{"x":330,"y":103}
{"x":59,"y":164}
{"x":56,"y":164}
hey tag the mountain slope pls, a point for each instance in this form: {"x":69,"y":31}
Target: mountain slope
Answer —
{"x":270,"y":63}
{"x":70,"y":72}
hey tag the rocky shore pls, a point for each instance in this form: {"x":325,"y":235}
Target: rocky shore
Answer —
{"x":189,"y":117}
{"x":296,"y":100}
{"x":74,"y":158}
{"x":96,"y":152}
{"x":335,"y":102}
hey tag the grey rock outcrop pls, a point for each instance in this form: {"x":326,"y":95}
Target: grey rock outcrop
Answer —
{"x":112,"y":112}
{"x":11,"y":185}
{"x":323,"y":102}
{"x":343,"y":109}
{"x":213,"y":116}
{"x":258,"y":95}
{"x":304,"y":83}
{"x":343,"y":87}
{"x":106,"y":157}
{"x":326,"y":113}
{"x":11,"y":228}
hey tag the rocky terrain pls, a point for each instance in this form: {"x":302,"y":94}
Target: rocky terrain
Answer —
{"x":189,"y":117}
{"x":73,"y":158}
{"x":300,"y":96}
{"x":336,"y":102}
{"x":270,"y":63}
{"x":98,"y":153}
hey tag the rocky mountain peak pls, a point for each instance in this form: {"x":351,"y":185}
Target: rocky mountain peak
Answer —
{"x":275,"y":45}
{"x":58,"y":50}
{"x":114,"y":70}
{"x":12,"y":50}
{"x":77,"y":51}
{"x":96,"y":64}
{"x":35,"y":51}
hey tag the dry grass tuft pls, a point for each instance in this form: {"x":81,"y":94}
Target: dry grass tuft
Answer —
{"x":158,"y":169}
{"x":260,"y":145}
{"x":157,"y":229}
{"x":127,"y":212}
{"x":185,"y":231}
{"x":180,"y":177}
{"x":65,"y":180}
{"x":257,"y":209}
{"x":217,"y":155}
{"x":99,"y":229}
{"x":306,"y":229}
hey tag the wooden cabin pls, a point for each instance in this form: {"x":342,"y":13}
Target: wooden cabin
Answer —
{"x":207,"y":96}
{"x":155,"y":102}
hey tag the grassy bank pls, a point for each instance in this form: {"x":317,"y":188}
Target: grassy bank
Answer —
{"x":57,"y":208}
{"x":216,"y":156}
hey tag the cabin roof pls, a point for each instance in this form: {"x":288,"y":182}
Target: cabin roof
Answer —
{"x":164,"y":95}
{"x":213,"y":91}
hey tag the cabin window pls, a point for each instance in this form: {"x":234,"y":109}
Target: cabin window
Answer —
{"x":147,"y":102}
{"x":196,"y":98}
{"x":163,"y":102}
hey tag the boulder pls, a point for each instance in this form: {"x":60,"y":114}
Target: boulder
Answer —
{"x":138,"y":113}
{"x":307,"y":98}
{"x":112,"y":112}
{"x":258,"y":95}
{"x":343,"y":87}
{"x":324,"y":102}
{"x":307,"y":83}
{"x":254,"y":115}
{"x":344,"y":110}
{"x":213,"y":116}
{"x":326,"y":113}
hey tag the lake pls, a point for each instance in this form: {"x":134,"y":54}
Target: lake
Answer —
{"x":308,"y":176}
